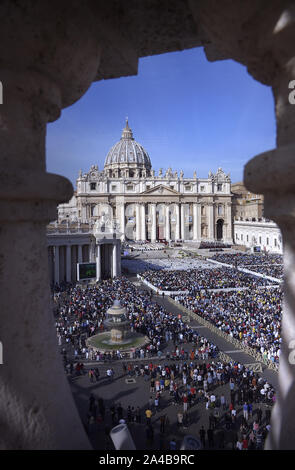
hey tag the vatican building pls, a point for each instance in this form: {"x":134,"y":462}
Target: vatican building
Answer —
{"x":142,"y":206}
{"x":127,"y":202}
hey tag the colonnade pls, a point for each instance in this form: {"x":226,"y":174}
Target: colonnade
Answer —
{"x":108,"y":259}
{"x":186,"y":226}
{"x":63,"y":259}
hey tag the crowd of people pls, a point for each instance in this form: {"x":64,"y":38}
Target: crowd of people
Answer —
{"x":207,"y":245}
{"x":272,"y":270}
{"x":144,"y":246}
{"x":236,"y":400}
{"x":249,"y":259}
{"x":269,"y":264}
{"x":82,"y":313}
{"x":191,"y":374}
{"x":253,"y":317}
{"x":195,"y":280}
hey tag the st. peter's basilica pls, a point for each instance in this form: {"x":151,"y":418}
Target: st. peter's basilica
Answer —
{"x":128,"y":196}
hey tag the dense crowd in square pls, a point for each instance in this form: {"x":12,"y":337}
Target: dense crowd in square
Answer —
{"x":195,"y":280}
{"x":253,"y":317}
{"x":190,"y":372}
{"x":248,"y":259}
{"x":269,"y":264}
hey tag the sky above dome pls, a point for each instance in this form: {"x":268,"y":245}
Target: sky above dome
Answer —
{"x":189,"y":114}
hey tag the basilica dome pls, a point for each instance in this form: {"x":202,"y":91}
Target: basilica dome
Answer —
{"x":127,"y":153}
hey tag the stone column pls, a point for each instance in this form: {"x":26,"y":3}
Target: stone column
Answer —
{"x":122,"y":222}
{"x":98,"y":263}
{"x":211,"y":221}
{"x":177,"y":225}
{"x":49,"y":56}
{"x":272,"y":174}
{"x":56,"y":264}
{"x":68,"y":263}
{"x":167,"y":223}
{"x":92,"y":250}
{"x":114,"y":260}
{"x":143,"y":225}
{"x":84,"y":212}
{"x":267,"y":49}
{"x":137,"y":218}
{"x":229,"y":236}
{"x":182,"y":225}
{"x":154,"y":223}
{"x":199,"y":221}
{"x":195,"y":222}
{"x":119,"y":259}
{"x":80,"y":254}
{"x":37,"y":404}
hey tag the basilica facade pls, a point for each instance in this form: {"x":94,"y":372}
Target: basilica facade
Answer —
{"x":128,"y":197}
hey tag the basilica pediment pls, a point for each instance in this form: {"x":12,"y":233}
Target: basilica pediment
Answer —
{"x":161,"y":190}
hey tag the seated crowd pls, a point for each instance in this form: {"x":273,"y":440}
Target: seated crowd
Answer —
{"x":197,"y":279}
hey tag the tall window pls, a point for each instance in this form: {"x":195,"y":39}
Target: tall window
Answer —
{"x":92,"y":186}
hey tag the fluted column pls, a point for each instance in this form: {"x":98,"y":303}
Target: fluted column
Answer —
{"x":167,"y":222}
{"x":143,"y":222}
{"x":154,"y":223}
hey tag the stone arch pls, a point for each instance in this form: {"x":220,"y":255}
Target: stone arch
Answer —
{"x":229,"y":30}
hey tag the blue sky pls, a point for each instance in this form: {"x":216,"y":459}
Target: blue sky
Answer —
{"x":188,"y":114}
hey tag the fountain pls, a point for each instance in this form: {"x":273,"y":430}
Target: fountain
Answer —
{"x":119,"y":337}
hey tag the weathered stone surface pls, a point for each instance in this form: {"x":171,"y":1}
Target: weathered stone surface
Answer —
{"x":50,"y":52}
